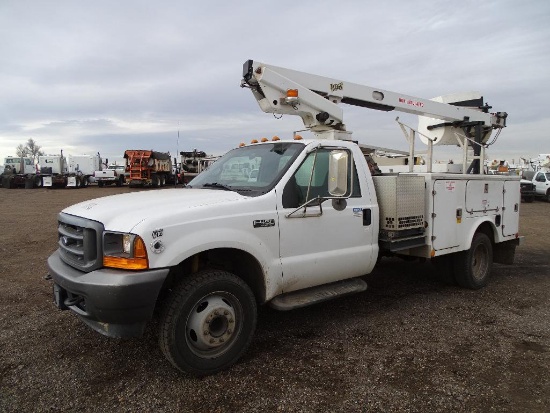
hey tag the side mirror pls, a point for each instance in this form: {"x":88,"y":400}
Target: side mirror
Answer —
{"x":338,"y":177}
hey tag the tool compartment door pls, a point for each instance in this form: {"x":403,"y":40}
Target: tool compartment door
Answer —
{"x":483,"y":197}
{"x":511,"y":202}
{"x":448,"y":198}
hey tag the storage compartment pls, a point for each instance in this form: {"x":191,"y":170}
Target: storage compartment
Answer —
{"x":401,"y":200}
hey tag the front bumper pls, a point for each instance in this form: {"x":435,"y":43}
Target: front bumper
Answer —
{"x":116,"y":303}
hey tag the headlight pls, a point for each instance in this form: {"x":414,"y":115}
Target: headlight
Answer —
{"x":126,"y":251}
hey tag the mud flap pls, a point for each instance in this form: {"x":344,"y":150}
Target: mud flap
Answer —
{"x":504,"y":252}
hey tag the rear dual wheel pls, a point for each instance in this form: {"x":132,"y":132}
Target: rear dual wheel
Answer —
{"x":469,"y":269}
{"x":473,"y":267}
{"x":155,"y":181}
{"x":207,"y":322}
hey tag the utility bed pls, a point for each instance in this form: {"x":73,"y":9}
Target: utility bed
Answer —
{"x":427,"y":214}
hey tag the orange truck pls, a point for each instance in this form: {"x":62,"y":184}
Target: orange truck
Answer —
{"x":148,"y":168}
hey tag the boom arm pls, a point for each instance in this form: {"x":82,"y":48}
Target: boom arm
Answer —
{"x":315,"y":99}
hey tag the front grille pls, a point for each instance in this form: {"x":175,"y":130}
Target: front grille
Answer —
{"x":79,"y":242}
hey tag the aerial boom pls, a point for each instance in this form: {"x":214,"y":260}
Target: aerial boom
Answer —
{"x":316,"y":100}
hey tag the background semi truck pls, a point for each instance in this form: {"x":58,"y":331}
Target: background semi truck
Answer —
{"x":51,"y":170}
{"x":72,"y":171}
{"x":316,"y":215}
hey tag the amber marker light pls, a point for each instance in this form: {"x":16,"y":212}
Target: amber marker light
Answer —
{"x":292,"y":93}
{"x":264,"y":139}
{"x":275,"y":138}
{"x":242,"y":144}
{"x":291,"y":97}
{"x":298,"y":138}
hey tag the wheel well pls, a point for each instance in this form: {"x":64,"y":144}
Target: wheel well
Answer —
{"x":487,"y":229}
{"x":235,"y":261}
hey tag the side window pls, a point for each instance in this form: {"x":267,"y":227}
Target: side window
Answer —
{"x":314,"y":169}
{"x":540,"y":178}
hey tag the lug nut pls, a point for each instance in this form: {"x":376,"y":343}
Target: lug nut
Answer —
{"x":206,"y":332}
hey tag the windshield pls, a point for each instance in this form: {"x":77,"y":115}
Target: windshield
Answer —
{"x":252,"y":169}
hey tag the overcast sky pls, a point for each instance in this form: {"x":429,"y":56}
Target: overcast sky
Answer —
{"x":105,"y":76}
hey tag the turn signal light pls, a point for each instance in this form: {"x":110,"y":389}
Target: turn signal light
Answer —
{"x":298,"y":137}
{"x":275,"y":138}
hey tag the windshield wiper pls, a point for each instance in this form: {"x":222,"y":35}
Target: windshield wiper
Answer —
{"x":217,"y":185}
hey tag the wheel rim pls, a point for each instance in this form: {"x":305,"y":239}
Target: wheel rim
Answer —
{"x":480,"y":262}
{"x":214,"y":324}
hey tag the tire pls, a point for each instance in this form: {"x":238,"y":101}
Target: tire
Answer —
{"x":162,"y":180}
{"x":120,"y":181}
{"x":84,"y":181}
{"x":445,"y":268}
{"x":155,"y":181}
{"x":78,"y":182}
{"x":100,"y":184}
{"x":208,"y":302}
{"x":38,"y":182}
{"x":529,"y":199}
{"x":473,"y":267}
{"x":547,"y":197}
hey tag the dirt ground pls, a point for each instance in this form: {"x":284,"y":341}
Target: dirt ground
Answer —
{"x":409,"y":343}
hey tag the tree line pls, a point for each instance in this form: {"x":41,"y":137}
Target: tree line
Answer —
{"x":30,"y":149}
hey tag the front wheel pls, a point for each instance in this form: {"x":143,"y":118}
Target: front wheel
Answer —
{"x":208,"y":322}
{"x":473,"y":267}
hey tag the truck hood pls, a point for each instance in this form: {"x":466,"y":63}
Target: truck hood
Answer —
{"x":123,"y":212}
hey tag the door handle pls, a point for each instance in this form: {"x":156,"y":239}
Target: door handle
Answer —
{"x":367,"y":217}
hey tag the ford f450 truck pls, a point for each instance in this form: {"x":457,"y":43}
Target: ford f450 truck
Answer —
{"x":305,"y":227}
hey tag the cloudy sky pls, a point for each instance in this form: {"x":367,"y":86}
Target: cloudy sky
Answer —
{"x":105,"y":76}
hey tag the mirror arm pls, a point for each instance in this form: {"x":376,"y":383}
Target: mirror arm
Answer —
{"x":304,"y":206}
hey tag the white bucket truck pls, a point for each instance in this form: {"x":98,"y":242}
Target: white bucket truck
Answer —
{"x":304,"y":228}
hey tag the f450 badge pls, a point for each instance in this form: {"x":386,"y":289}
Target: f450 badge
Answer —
{"x":263,"y":223}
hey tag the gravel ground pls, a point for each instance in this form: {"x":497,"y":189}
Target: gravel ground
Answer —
{"x":409,"y":343}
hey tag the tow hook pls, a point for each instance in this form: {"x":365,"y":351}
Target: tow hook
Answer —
{"x":73,"y":301}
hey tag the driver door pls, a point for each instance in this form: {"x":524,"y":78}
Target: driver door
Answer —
{"x":339,"y":243}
